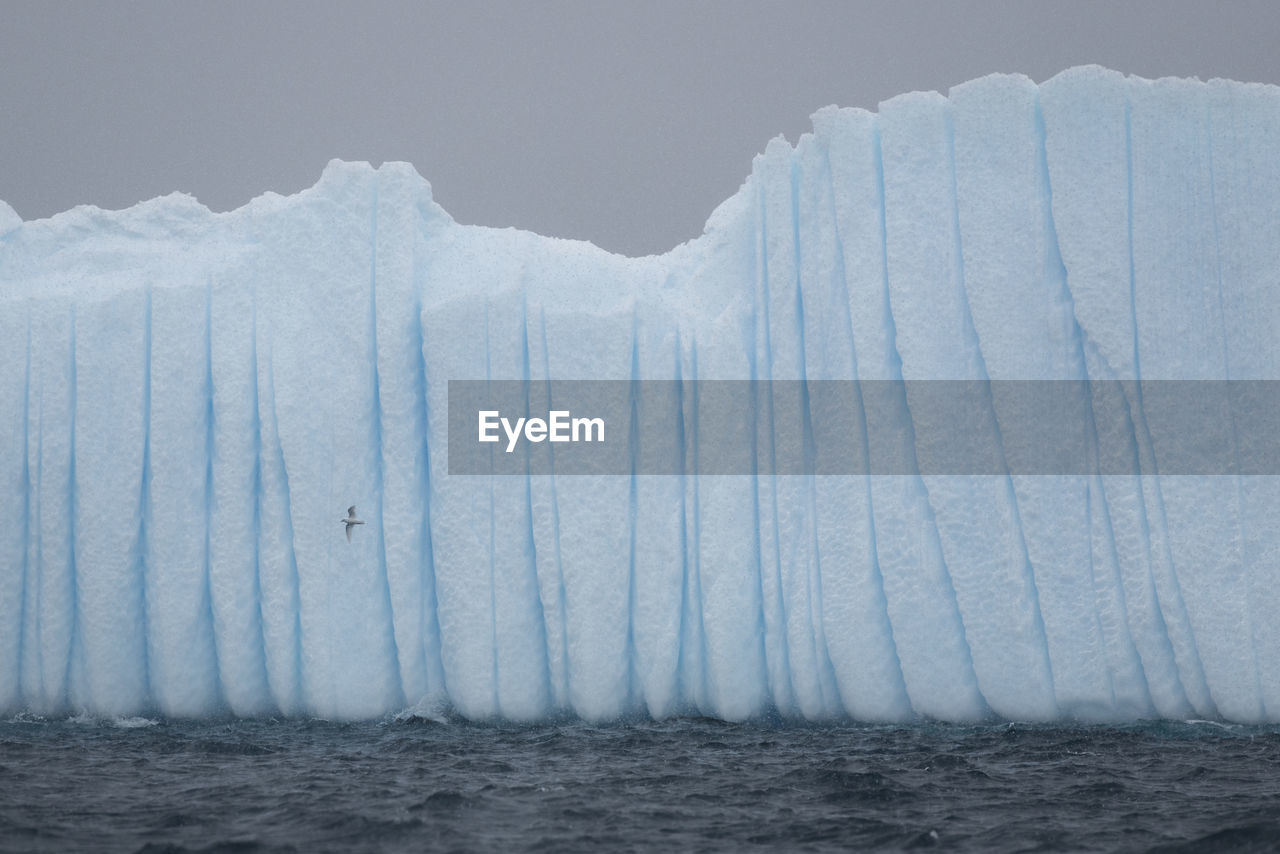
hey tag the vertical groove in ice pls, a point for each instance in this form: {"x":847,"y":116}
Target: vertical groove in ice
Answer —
{"x":546,"y":691}
{"x":684,"y":694}
{"x":144,"y":505}
{"x":825,"y":702}
{"x":872,"y":685}
{"x":774,"y":604}
{"x":10,"y":693}
{"x":1249,"y":569}
{"x":558,"y":660}
{"x":258,"y":601}
{"x":495,"y":701}
{"x":694,"y":670}
{"x":1085,"y":113}
{"x":633,"y":454}
{"x":75,"y":654}
{"x":563,"y":686}
{"x":436,"y":685}
{"x":29,"y":664}
{"x":1109,"y":616}
{"x":15,"y":491}
{"x":219,"y":692}
{"x":47,"y":639}
{"x":939,"y":675}
{"x":288,"y":686}
{"x":1044,"y":705}
{"x":379,"y":456}
{"x":1176,"y":621}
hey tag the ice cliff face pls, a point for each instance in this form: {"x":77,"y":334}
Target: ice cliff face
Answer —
{"x":189,"y":401}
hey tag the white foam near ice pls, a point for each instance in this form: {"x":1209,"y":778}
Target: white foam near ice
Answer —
{"x":187,"y":397}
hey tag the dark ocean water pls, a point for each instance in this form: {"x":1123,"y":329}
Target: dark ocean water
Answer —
{"x":686,"y":785}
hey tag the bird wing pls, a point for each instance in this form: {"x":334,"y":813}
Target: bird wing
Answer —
{"x":348,"y":533}
{"x":351,"y":512}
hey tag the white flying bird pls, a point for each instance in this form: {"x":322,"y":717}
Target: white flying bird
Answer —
{"x":351,"y":521}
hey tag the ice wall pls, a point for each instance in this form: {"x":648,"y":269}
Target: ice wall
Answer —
{"x":190,"y":401}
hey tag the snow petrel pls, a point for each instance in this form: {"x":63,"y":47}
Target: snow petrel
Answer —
{"x":351,"y":521}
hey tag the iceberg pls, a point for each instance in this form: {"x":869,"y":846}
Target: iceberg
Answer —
{"x":190,"y":401}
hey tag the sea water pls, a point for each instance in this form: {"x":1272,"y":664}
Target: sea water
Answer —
{"x":438,"y":783}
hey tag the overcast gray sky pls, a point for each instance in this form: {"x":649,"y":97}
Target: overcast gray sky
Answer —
{"x":620,"y":123}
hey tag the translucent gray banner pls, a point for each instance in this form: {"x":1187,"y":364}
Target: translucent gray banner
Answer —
{"x":937,"y":427}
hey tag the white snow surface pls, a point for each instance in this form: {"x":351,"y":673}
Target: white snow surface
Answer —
{"x":190,"y":400}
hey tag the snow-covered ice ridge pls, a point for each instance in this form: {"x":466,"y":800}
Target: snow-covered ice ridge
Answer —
{"x":190,"y":400}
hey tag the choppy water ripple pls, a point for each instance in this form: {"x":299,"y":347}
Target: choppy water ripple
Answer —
{"x":418,"y":784}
